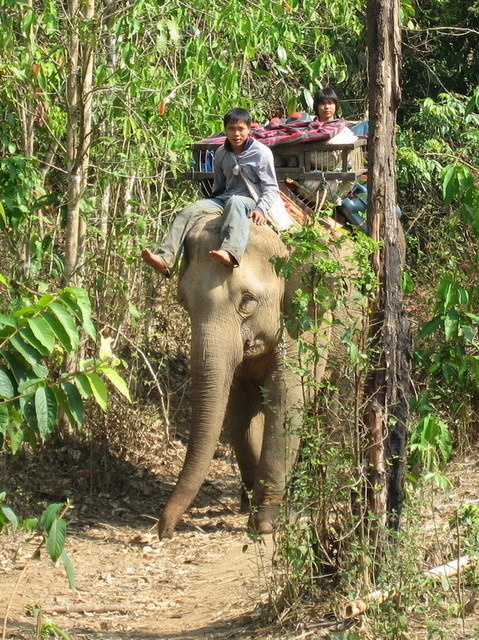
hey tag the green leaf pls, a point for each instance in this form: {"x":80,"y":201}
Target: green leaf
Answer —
{"x":27,"y":408}
{"x":16,"y":436}
{"x":29,"y":385}
{"x":17,"y":366}
{"x":72,"y":403}
{"x":282,"y":55}
{"x":83,"y":385}
{"x":30,"y":355}
{"x":50,"y":514}
{"x":100,"y":392}
{"x":46,"y":410}
{"x":42,"y":332}
{"x":29,"y":524}
{"x":59,"y":332}
{"x":67,"y":563}
{"x":4,"y":419}
{"x":84,"y":305}
{"x":3,"y":217}
{"x":116,"y":380}
{"x":431,"y":326}
{"x":44,"y":301}
{"x":6,"y":386}
{"x":449,"y":189}
{"x":10,"y":321}
{"x":27,"y":334}
{"x":56,"y":539}
{"x":9,"y":515}
{"x":67,"y":323}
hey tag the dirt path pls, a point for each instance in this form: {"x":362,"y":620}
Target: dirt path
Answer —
{"x":204,"y":583}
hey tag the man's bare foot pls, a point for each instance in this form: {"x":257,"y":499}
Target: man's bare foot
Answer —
{"x":224,"y":257}
{"x":155,"y":261}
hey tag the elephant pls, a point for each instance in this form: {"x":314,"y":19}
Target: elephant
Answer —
{"x":242,"y":371}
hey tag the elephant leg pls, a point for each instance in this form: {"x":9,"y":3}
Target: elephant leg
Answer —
{"x":244,"y":423}
{"x":282,"y":406}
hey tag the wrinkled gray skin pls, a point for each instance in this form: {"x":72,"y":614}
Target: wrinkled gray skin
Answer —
{"x":238,"y":347}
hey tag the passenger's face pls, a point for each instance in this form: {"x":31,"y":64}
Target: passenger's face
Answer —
{"x":237,"y":133}
{"x":326,"y":111}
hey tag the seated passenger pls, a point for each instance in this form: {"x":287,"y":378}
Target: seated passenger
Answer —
{"x":239,"y":155}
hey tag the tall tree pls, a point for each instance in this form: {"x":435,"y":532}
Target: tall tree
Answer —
{"x":79,"y":99}
{"x":387,"y":408}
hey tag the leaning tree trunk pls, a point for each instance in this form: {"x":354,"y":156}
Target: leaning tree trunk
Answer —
{"x":388,"y":385}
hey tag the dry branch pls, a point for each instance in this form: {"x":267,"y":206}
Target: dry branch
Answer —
{"x":89,"y":608}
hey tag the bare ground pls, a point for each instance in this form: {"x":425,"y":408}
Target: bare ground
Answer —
{"x":204,"y":583}
{"x":208,"y":582}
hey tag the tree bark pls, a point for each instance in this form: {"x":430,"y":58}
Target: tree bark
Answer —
{"x":79,"y":101}
{"x":388,"y":384}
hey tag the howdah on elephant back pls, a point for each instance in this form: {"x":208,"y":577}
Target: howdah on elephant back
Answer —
{"x":242,"y":371}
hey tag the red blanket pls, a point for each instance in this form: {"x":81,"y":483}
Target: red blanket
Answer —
{"x":275,"y":133}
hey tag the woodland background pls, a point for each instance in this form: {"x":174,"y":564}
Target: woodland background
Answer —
{"x":99,"y":104}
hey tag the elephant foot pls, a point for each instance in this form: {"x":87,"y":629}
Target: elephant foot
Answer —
{"x":165,"y":529}
{"x":263,"y":528}
{"x":262,"y":523}
{"x":263,"y":517}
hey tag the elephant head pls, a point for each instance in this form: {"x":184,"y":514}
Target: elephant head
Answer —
{"x":241,"y":376}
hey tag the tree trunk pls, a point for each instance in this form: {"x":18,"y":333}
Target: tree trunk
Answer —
{"x":388,"y":384}
{"x":79,"y":101}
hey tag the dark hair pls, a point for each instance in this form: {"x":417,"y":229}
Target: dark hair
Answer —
{"x":325,"y":95}
{"x":237,"y":115}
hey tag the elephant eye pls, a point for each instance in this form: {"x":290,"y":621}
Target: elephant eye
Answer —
{"x":248,"y":303}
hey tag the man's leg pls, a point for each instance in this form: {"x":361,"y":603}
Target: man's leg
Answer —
{"x":165,"y":257}
{"x":234,"y":231}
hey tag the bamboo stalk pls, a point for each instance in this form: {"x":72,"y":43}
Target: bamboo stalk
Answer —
{"x":357,"y":607}
{"x":449,"y":569}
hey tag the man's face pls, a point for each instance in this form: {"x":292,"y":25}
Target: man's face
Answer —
{"x":237,"y":133}
{"x":326,"y":111}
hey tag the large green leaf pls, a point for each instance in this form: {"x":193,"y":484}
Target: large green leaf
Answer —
{"x":9,"y":514}
{"x":46,"y":410}
{"x":56,"y":539}
{"x":27,"y":408}
{"x":83,"y":302}
{"x":6,"y":386}
{"x":117,"y":381}
{"x":50,"y":514}
{"x":30,"y":355}
{"x":98,"y":387}
{"x":42,"y":332}
{"x":67,"y":563}
{"x":67,"y":324}
{"x":83,"y":385}
{"x":72,"y":403}
{"x":28,"y":336}
{"x":17,"y":366}
{"x":9,"y":321}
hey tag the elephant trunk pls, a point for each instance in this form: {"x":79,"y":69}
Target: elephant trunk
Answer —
{"x":214,"y":357}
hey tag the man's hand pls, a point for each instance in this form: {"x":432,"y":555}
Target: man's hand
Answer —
{"x":257,"y":217}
